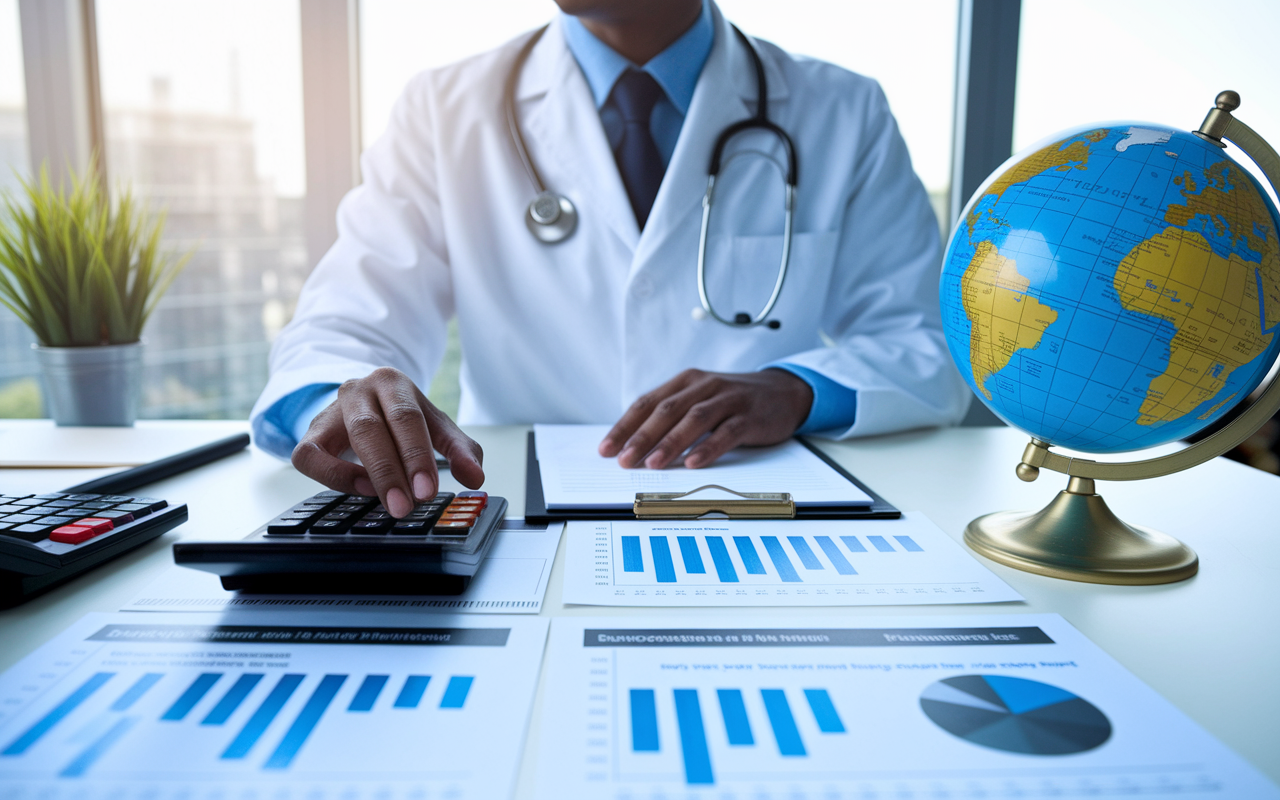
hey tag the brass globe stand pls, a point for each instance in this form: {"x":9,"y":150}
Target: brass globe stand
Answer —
{"x":1076,"y":536}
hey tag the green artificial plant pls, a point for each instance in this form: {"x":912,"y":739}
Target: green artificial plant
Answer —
{"x":77,"y":271}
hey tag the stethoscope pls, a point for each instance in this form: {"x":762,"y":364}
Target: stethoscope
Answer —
{"x":552,"y":218}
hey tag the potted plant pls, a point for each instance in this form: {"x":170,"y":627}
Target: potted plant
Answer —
{"x":84,"y":275}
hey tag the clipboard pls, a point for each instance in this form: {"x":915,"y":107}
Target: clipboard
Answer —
{"x":537,"y":513}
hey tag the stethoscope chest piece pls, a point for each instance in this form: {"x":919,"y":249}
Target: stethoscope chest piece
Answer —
{"x":551,"y":218}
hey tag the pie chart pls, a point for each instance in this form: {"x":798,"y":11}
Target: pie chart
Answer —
{"x":1015,"y":715}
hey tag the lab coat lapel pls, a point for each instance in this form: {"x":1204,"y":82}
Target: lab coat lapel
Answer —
{"x":567,"y":141}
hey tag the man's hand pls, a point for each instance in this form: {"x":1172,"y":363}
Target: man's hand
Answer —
{"x":395,"y":431}
{"x":754,"y":408}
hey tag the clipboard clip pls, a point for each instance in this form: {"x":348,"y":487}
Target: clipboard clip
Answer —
{"x":680,"y":505}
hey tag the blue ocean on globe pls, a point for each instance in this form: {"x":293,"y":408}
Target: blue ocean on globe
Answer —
{"x":1115,"y":287}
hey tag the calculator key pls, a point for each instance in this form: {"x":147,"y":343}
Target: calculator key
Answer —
{"x":348,"y":508}
{"x":66,"y":503}
{"x":118,"y":517}
{"x":411,"y":528}
{"x":327,"y":496}
{"x":11,"y":509}
{"x":475,"y":497}
{"x":116,"y":498}
{"x":370,"y":525}
{"x":54,"y":522}
{"x":443,"y":497}
{"x":377,"y":516}
{"x":26,"y":501}
{"x":97,"y":505}
{"x":450,"y":516}
{"x":72,"y":534}
{"x":330,"y":527}
{"x":18,"y":519}
{"x":287,"y":526}
{"x":456,"y":526}
{"x":153,"y":503}
{"x":96,"y":524}
{"x":86,"y":497}
{"x":338,"y":515}
{"x":136,"y":509}
{"x":29,"y":531}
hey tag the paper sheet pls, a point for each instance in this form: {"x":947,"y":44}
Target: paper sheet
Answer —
{"x":282,"y":706}
{"x":574,"y":475}
{"x":894,"y":707}
{"x":513,"y":580}
{"x":909,"y":561}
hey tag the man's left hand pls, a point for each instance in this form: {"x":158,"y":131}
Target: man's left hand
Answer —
{"x":754,"y":408}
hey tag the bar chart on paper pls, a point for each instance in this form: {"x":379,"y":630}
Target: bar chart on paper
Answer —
{"x":890,"y":708}
{"x":115,"y":707}
{"x":772,"y":562}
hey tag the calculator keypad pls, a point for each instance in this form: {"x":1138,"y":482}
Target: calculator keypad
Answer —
{"x":445,"y":517}
{"x":70,"y":518}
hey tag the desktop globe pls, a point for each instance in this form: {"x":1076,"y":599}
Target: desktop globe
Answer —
{"x":1114,"y":288}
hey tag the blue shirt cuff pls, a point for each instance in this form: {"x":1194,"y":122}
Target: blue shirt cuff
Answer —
{"x":279,"y":429}
{"x":834,"y":405}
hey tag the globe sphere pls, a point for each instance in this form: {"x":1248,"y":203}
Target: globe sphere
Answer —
{"x":1114,"y":287}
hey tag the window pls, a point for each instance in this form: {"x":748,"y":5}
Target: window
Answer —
{"x":1160,"y":61}
{"x":203,"y":118}
{"x":19,"y":387}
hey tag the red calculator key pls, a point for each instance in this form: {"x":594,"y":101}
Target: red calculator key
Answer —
{"x":96,"y":524}
{"x":72,"y":534}
{"x":481,"y":497}
{"x":454,"y":525}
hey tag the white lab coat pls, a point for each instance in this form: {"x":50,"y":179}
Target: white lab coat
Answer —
{"x":576,"y":331}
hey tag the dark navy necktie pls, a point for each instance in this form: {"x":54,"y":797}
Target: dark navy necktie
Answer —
{"x":639,"y":161}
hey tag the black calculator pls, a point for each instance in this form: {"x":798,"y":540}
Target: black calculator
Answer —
{"x":336,"y":543}
{"x":48,"y":539}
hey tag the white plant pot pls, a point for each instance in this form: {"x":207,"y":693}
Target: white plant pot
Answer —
{"x":96,"y":385}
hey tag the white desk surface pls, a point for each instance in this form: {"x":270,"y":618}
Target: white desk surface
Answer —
{"x":1211,"y":644}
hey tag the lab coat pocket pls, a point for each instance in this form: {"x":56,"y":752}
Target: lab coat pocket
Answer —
{"x":745,"y":284}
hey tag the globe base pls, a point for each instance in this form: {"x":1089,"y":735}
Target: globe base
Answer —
{"x":1078,"y":538}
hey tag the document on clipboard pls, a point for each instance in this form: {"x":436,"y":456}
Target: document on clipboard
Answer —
{"x":568,"y":479}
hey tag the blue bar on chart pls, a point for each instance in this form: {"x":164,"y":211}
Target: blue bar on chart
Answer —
{"x":783,"y":723}
{"x":879,"y":543}
{"x":824,"y":711}
{"x":411,"y":694}
{"x":632,"y":560}
{"x":853,"y":544}
{"x":266,"y":713}
{"x":136,"y":691}
{"x":306,"y":722}
{"x":838,"y":560}
{"x":663,"y":566}
{"x":455,"y":694}
{"x":32,"y":735}
{"x":194,"y":694}
{"x":368,"y":693}
{"x":644,"y":721}
{"x":734,"y":712}
{"x":690,"y":555}
{"x":720,"y":557}
{"x":693,"y":738}
{"x":779,"y":558}
{"x":81,"y":763}
{"x":750,"y":559}
{"x":232,"y":699}
{"x":909,"y":544}
{"x":805,"y":552}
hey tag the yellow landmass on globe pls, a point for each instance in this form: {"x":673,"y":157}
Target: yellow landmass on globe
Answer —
{"x":1242,"y":209}
{"x":1003,"y":318}
{"x":1213,"y":305}
{"x":1046,"y":158}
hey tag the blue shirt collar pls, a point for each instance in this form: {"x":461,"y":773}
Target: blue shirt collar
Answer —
{"x":676,"y":69}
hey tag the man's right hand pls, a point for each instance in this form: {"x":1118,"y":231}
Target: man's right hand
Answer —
{"x":395,"y":431}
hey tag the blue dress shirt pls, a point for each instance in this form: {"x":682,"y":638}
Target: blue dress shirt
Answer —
{"x":676,"y":69}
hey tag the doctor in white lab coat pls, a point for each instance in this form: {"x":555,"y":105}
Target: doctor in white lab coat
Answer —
{"x":602,"y":327}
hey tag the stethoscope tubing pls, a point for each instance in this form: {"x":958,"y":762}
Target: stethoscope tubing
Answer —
{"x":552,"y":217}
